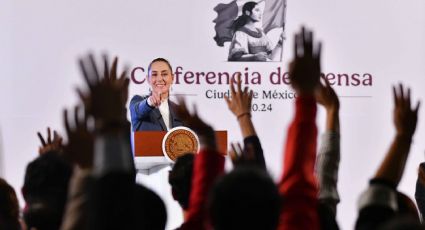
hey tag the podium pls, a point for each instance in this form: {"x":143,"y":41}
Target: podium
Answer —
{"x":148,"y":151}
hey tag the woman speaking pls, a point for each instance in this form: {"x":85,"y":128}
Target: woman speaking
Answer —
{"x":155,"y":111}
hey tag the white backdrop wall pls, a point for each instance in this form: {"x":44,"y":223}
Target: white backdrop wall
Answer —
{"x":40,"y":41}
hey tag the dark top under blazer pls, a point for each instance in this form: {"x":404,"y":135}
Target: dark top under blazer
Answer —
{"x":147,"y":118}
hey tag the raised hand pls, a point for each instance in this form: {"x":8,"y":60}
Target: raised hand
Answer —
{"x":304,"y":70}
{"x":326,"y":96}
{"x":204,"y":131}
{"x":405,"y":119}
{"x":80,"y":146}
{"x":242,"y":156}
{"x":240,"y":101}
{"x":405,"y":116}
{"x":50,"y":144}
{"x":108,"y":93}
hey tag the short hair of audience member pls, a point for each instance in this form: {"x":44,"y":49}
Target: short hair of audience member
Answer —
{"x":402,"y":223}
{"x":246,"y":198}
{"x":180,"y":179}
{"x":406,"y":206}
{"x":326,"y":217}
{"x":45,"y":191}
{"x":117,"y":202}
{"x":154,"y":213}
{"x":9,"y":207}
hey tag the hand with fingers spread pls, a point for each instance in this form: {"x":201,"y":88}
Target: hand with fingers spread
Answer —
{"x":50,"y":144}
{"x":304,"y":70}
{"x":405,"y":119}
{"x":243,"y":156}
{"x":108,"y":92}
{"x":240,"y":101}
{"x":326,"y":96}
{"x":204,"y":131}
{"x":405,"y":116}
{"x":80,"y":146}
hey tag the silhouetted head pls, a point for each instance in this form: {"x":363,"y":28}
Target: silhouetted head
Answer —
{"x":9,"y":207}
{"x":117,"y":202}
{"x":180,"y":179}
{"x":246,"y":198}
{"x":406,"y":206}
{"x":153,"y":213}
{"x":402,"y":223}
{"x":45,"y":191}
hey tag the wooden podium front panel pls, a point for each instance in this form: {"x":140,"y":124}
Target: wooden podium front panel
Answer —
{"x":149,"y":143}
{"x":221,"y":141}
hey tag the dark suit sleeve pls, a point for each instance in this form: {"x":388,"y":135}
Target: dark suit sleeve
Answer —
{"x":139,"y":109}
{"x":253,"y":144}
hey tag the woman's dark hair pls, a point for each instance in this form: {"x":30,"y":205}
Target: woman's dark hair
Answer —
{"x":159,"y":60}
{"x":244,"y":18}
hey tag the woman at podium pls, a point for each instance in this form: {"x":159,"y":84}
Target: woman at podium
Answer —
{"x":155,"y":112}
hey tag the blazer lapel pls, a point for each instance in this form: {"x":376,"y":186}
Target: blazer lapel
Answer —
{"x":175,"y":121}
{"x":158,"y":117}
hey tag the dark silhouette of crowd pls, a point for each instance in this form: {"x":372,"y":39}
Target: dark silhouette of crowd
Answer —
{"x":88,"y":181}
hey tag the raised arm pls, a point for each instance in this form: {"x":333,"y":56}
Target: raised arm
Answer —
{"x":378,"y":203}
{"x":298,"y":185}
{"x":240,"y":105}
{"x":208,"y":165}
{"x":405,"y":119}
{"x":328,"y":158}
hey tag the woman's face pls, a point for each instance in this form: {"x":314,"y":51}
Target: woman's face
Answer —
{"x":256,"y":13}
{"x":160,"y":78}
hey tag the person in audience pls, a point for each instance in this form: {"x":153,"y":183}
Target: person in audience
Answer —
{"x":240,"y":104}
{"x":245,"y":198}
{"x":207,"y":167}
{"x":381,"y":202}
{"x":180,"y":180}
{"x":328,"y":157}
{"x":9,"y":207}
{"x":298,"y":186}
{"x":114,"y":200}
{"x":294,"y":203}
{"x":155,"y":111}
{"x":45,"y":191}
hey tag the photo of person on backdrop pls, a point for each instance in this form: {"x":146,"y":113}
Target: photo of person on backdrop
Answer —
{"x":249,"y":42}
{"x":155,"y":112}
